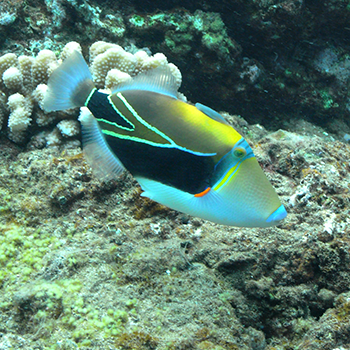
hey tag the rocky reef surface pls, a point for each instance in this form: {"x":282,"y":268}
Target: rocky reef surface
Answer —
{"x":92,"y":265}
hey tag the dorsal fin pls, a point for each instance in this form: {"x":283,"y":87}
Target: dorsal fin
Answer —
{"x":159,"y":80}
{"x":211,"y":113}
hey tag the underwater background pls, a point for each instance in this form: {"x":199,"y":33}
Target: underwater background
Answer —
{"x":86,"y":264}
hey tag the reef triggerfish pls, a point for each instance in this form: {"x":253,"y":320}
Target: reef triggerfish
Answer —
{"x":184,"y":156}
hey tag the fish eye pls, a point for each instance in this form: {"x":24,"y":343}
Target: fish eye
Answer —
{"x":239,"y":152}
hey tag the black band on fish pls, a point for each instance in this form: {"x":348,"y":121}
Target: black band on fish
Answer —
{"x":170,"y":166}
{"x":100,"y":105}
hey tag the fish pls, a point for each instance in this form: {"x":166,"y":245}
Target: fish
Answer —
{"x":184,"y":156}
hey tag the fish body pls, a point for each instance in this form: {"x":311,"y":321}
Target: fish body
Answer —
{"x":155,"y":143}
{"x":185,"y":157}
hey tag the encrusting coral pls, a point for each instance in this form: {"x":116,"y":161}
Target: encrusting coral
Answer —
{"x":23,"y":87}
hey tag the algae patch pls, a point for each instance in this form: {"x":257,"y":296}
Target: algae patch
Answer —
{"x":21,"y":253}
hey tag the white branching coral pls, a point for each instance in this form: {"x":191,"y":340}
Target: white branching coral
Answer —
{"x":107,"y":60}
{"x":7,"y":61}
{"x":20,"y":116}
{"x":25,"y":64}
{"x":68,"y":127}
{"x":116,"y":77}
{"x":23,"y":86}
{"x":43,"y":66}
{"x":69,"y":48}
{"x":113,"y":58}
{"x":39,"y":94}
{"x":99,"y":47}
{"x":13,"y":78}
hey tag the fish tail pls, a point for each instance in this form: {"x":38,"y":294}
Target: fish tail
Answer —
{"x":70,"y":85}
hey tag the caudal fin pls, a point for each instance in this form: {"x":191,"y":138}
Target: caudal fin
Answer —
{"x":69,"y":85}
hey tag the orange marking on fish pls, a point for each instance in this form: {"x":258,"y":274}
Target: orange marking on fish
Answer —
{"x":201,"y":194}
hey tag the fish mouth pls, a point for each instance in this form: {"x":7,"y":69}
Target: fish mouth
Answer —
{"x":279,"y":214}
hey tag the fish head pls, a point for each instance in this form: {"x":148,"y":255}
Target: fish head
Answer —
{"x":247,"y":195}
